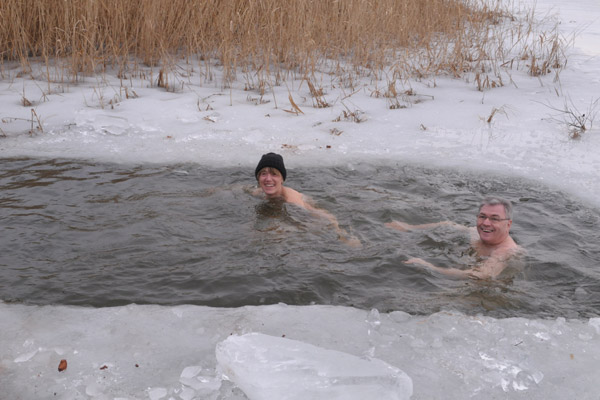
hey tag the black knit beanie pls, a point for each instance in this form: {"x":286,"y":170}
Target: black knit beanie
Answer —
{"x":271,"y":160}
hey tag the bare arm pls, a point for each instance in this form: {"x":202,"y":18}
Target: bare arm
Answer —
{"x":403,"y":226}
{"x":344,"y":236}
{"x":227,"y":188}
{"x":490,"y":268}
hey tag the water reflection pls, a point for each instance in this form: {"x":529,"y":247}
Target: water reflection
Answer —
{"x":101,"y":234}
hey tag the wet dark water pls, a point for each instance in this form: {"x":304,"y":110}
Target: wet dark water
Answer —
{"x":101,"y":235}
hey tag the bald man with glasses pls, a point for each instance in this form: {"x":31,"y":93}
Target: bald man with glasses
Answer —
{"x":490,"y":239}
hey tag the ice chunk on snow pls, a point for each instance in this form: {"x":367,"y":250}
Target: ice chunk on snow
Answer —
{"x":157,"y":393}
{"x":26,"y":357}
{"x":267,"y":368}
{"x":190,"y":372}
{"x":595,"y":322}
{"x":187,"y":394}
{"x":189,"y":377}
{"x":93,"y":389}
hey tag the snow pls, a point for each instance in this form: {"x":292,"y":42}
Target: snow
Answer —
{"x":154,"y":352}
{"x":141,"y":352}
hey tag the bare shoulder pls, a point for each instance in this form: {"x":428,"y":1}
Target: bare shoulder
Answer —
{"x":294,"y":197}
{"x":515,"y":251}
{"x":511,"y":248}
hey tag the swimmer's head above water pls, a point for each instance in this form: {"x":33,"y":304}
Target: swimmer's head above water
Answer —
{"x":271,"y":160}
{"x":270,"y":174}
{"x":494,"y":221}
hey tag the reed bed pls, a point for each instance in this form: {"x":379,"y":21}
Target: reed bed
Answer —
{"x":401,"y":38}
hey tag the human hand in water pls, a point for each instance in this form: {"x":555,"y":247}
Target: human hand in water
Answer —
{"x":454,"y":272}
{"x":398,"y":225}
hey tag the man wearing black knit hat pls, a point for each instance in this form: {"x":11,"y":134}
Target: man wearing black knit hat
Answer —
{"x":270,"y":174}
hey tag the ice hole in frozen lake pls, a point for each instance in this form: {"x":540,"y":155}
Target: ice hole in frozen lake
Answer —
{"x":99,"y":234}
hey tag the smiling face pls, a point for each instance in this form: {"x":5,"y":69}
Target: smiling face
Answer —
{"x":271,"y":182}
{"x":492,"y":226}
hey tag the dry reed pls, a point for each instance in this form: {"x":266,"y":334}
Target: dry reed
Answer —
{"x":270,"y":37}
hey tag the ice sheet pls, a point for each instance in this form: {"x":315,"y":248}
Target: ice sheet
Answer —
{"x":141,"y":352}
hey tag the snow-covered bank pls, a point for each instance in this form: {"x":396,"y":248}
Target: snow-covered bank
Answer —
{"x":158,"y":352}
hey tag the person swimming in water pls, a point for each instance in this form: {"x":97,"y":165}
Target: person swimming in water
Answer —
{"x":270,"y":175}
{"x":490,"y":239}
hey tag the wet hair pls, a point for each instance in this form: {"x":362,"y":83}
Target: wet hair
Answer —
{"x":494,"y":201}
{"x":272,"y":170}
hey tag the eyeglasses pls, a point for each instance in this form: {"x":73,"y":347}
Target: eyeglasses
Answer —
{"x":493,"y":219}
